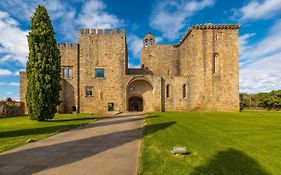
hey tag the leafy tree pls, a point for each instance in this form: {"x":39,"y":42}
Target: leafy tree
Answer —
{"x":43,"y":68}
{"x":272,"y":100}
{"x":248,"y":100}
{"x":261,"y":97}
{"x":269,"y":100}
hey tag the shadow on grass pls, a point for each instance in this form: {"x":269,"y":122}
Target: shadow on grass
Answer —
{"x":17,"y":116}
{"x":230,"y":162}
{"x":61,"y":128}
{"x":73,"y":119}
{"x":33,"y":131}
{"x":63,"y":153}
{"x":152,"y":116}
{"x":149,"y":129}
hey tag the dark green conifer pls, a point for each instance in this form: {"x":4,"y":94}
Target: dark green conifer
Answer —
{"x":43,"y":68}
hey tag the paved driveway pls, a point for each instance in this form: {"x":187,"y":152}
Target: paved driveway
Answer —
{"x":109,"y":146}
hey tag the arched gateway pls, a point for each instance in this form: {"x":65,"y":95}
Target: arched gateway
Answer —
{"x":140,"y":95}
{"x":135,"y":103}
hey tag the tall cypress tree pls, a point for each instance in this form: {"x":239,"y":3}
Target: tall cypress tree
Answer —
{"x":43,"y":68}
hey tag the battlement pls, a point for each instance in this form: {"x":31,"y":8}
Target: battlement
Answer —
{"x":207,"y":26}
{"x":67,"y":45}
{"x":101,"y":31}
{"x":215,"y":26}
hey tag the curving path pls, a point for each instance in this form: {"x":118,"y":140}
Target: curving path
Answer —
{"x":109,"y":146}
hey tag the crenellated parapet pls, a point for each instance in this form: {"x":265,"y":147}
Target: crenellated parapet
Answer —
{"x":215,"y":26}
{"x":102,"y":31}
{"x":208,"y":26}
{"x":67,"y":45}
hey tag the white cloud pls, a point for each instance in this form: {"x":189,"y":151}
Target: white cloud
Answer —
{"x":259,"y":10}
{"x":4,"y":72}
{"x":130,"y":65}
{"x":135,"y":44}
{"x":261,"y":62}
{"x":13,"y":41}
{"x":13,"y":84}
{"x":243,"y":42}
{"x":11,"y":95}
{"x":93,"y":15}
{"x":9,"y":84}
{"x":64,"y":16}
{"x":61,"y":13}
{"x":23,"y":10}
{"x":266,"y":47}
{"x":158,"y":39}
{"x":262,"y":75}
{"x":17,"y":73}
{"x":169,"y":17}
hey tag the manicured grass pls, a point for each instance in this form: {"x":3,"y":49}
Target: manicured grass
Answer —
{"x":246,"y":143}
{"x":15,"y":131}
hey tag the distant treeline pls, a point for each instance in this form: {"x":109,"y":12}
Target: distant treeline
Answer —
{"x":268,"y":100}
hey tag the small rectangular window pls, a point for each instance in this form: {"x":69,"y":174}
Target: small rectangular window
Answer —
{"x":167,"y":91}
{"x":184,"y":91}
{"x":89,"y":91}
{"x":67,"y":72}
{"x":99,"y":73}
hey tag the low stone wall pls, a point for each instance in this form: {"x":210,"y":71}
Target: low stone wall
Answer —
{"x":11,"y":108}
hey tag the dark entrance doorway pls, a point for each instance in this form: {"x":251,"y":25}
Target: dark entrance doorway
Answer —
{"x":73,"y":109}
{"x":135,"y":104}
{"x":110,"y":106}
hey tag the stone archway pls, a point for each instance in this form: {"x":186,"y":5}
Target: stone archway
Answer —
{"x":135,"y":104}
{"x":140,"y":96}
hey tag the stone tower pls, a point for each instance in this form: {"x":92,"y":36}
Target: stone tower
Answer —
{"x":148,"y":40}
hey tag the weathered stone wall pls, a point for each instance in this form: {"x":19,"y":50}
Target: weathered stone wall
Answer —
{"x":191,"y":52}
{"x":11,"y":108}
{"x":102,"y":49}
{"x":176,"y":101}
{"x":161,"y":59}
{"x":70,"y":88}
{"x":226,"y":78}
{"x":211,"y":91}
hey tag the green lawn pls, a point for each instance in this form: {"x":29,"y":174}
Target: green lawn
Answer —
{"x":247,"y":143}
{"x":15,"y":131}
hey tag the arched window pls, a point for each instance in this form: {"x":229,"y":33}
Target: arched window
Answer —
{"x":167,"y":91}
{"x":146,"y":42}
{"x":215,"y":63}
{"x":184,"y":91}
{"x":151,"y":42}
{"x":216,"y":36}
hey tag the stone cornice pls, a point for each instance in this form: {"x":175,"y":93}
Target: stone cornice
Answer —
{"x":207,"y":26}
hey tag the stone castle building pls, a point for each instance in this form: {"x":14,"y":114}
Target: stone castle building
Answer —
{"x":200,"y":73}
{"x":10,"y":107}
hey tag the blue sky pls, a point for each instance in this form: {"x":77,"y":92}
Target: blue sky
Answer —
{"x":259,"y":35}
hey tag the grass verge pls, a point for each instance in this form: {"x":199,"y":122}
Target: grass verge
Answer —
{"x":15,"y":131}
{"x":218,"y":143}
